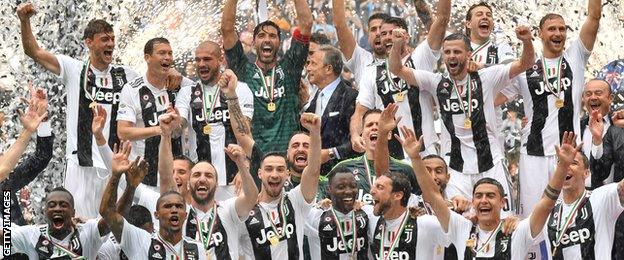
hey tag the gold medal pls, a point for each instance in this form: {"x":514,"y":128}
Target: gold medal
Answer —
{"x":399,"y":97}
{"x":439,"y":250}
{"x":273,"y":239}
{"x":271,"y":106}
{"x":467,"y":123}
{"x":207,"y":129}
{"x":471,"y":243}
{"x":93,"y":104}
{"x":559,"y":103}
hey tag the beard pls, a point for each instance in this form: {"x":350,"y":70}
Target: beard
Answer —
{"x":203,"y":201}
{"x":382,"y":208}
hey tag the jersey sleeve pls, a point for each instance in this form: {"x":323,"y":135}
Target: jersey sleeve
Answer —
{"x":505,"y":53}
{"x":426,"y":81}
{"x":522,"y":241}
{"x":135,"y":241}
{"x":311,"y":226}
{"x":183,"y":98}
{"x":429,"y":227}
{"x":607,"y":202}
{"x":294,"y":59}
{"x":424,"y":57}
{"x":108,"y":251}
{"x":126,"y":110}
{"x":298,"y":201}
{"x":360,"y":59}
{"x":245,"y":99}
{"x":367,"y":94}
{"x":230,"y":214}
{"x":495,"y":78}
{"x":90,"y":234}
{"x":513,"y":90}
{"x":578,"y":52}
{"x":146,"y":197}
{"x":70,"y":70}
{"x":458,"y":230}
{"x":23,"y":238}
{"x":131,"y":74}
{"x":236,"y":60}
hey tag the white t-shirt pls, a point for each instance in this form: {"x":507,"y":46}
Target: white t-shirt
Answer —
{"x":493,"y":79}
{"x":217,"y":118}
{"x":423,"y":58}
{"x":130,"y":107}
{"x":521,"y":240}
{"x":606,"y":207}
{"x":104,"y":94}
{"x":24,"y":240}
{"x":279,"y":251}
{"x":136,"y":242}
{"x":543,"y":115}
{"x":226,"y":210}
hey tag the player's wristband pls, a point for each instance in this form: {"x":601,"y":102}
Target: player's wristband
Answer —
{"x":551,"y":192}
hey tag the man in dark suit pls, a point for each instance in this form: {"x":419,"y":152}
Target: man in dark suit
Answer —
{"x":334,"y":101}
{"x":607,"y":146}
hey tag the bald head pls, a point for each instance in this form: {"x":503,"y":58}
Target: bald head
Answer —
{"x":597,"y":96}
{"x":208,"y":60}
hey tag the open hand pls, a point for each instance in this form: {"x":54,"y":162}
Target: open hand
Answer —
{"x":387,"y":120}
{"x":568,"y":149}
{"x":121,"y":163}
{"x":99,"y":119}
{"x":411,"y":144}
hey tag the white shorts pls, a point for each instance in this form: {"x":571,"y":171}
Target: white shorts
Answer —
{"x":534,"y":172}
{"x":87,"y":185}
{"x":462,"y":184}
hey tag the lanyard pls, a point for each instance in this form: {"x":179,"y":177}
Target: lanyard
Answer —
{"x":468,"y":113}
{"x":268,"y":87}
{"x":171,"y":248}
{"x":391,"y":82}
{"x":557,"y":76}
{"x":478,"y":49}
{"x":394,"y":242}
{"x":561,"y":230}
{"x":487,"y":241}
{"x":208,"y":107}
{"x":280,"y":212}
{"x":341,"y":233}
{"x":66,"y":250}
{"x":200,"y":226}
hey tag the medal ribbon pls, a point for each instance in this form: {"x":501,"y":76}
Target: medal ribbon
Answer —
{"x":65,"y":250}
{"x":389,"y":79}
{"x":487,"y":241}
{"x":367,"y":169}
{"x":268,"y":87}
{"x":468,"y":97}
{"x":280,"y":212}
{"x":171,"y":248}
{"x":200,"y":226}
{"x":478,"y":49}
{"x":341,"y":233}
{"x":395,"y":241}
{"x":569,"y":218}
{"x":208,"y":108}
{"x":557,"y":76}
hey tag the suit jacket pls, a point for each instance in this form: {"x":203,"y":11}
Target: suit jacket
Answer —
{"x":335,"y":123}
{"x":612,"y":155}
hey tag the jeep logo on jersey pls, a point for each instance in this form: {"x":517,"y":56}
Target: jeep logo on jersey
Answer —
{"x":278,"y":92}
{"x":104,"y":96}
{"x":337,"y":244}
{"x":394,"y":88}
{"x":217,"y":239}
{"x":575,"y":236}
{"x":268,"y":232}
{"x":452,"y":105}
{"x":396,"y":255}
{"x":219,"y":114}
{"x":365,"y":198}
{"x":555,"y":85}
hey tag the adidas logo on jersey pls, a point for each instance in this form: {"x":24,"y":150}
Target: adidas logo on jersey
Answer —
{"x":256,"y":76}
{"x":534,"y":75}
{"x":253,"y":220}
{"x":327,"y":228}
{"x":157,"y":255}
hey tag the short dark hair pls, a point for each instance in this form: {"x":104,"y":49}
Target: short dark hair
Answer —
{"x":397,"y":21}
{"x":435,"y":156}
{"x":549,"y":16}
{"x":585,"y":160}
{"x":167,"y":193}
{"x":339,"y":169}
{"x":139,"y":216}
{"x":400,"y":183}
{"x":96,"y":26}
{"x":332,"y":57}
{"x":298,"y":132}
{"x":149,"y":46}
{"x":370,"y":112}
{"x":472,"y":7}
{"x":319,"y":38}
{"x":377,"y":16}
{"x":488,"y":180}
{"x":276,"y":154}
{"x":184,"y":158}
{"x":270,"y":23}
{"x":61,"y":189}
{"x":461,"y":37}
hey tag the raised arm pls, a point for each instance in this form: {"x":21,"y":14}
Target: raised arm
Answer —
{"x":228,"y":20}
{"x":566,"y":154}
{"x":128,"y":131}
{"x":311,"y":173}
{"x":134,"y":176}
{"x":346,"y":40}
{"x":108,"y":205}
{"x":396,"y":67}
{"x":387,"y":123}
{"x":430,"y":193}
{"x":240,"y":123}
{"x":31,"y":48}
{"x":355,"y":128}
{"x":165,"y":153}
{"x":438,"y":27}
{"x":424,"y":13}
{"x":304,"y":16}
{"x":245,"y":201}
{"x":528,"y":54}
{"x":592,"y":22}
